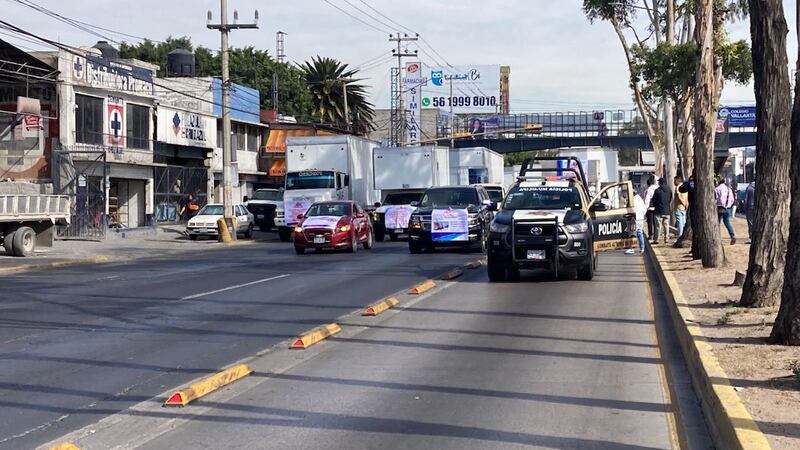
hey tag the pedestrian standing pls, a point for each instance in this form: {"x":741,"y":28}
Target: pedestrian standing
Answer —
{"x":661,"y":204}
{"x":750,"y":208}
{"x":640,"y":210}
{"x":680,"y":206}
{"x":648,"y":198}
{"x":725,"y":198}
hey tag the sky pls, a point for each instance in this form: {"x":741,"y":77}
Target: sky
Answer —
{"x":559,"y":61}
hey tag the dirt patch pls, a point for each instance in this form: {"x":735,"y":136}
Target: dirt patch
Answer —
{"x":758,"y":371}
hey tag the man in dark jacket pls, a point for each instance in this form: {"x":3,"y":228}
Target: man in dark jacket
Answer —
{"x":662,"y":199}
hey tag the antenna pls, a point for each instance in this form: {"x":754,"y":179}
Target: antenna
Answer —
{"x":280,"y":50}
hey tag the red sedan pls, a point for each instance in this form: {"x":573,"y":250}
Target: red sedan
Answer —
{"x":334,"y":225}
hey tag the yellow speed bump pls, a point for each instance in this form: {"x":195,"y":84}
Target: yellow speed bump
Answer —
{"x":377,"y":308}
{"x":424,"y":287}
{"x":208,"y":385}
{"x":473,"y":264}
{"x":453,"y":274}
{"x":64,"y":446}
{"x":316,"y":335}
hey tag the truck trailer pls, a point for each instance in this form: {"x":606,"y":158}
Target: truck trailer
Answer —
{"x":475,"y":165}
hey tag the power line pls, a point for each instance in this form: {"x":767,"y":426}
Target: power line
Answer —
{"x":356,"y":18}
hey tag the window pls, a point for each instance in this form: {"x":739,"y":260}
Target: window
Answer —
{"x":239,"y":136}
{"x":252,"y":138}
{"x":88,"y":119}
{"x":138,"y":126}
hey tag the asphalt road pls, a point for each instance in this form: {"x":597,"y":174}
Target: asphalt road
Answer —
{"x":82,"y":343}
{"x":537,"y":364}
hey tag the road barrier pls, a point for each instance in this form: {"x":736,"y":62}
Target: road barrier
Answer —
{"x":473,"y":264}
{"x":453,"y":274}
{"x":315,"y":335}
{"x":208,"y":385}
{"x":423,"y":287}
{"x":381,"y":306}
{"x":64,"y":446}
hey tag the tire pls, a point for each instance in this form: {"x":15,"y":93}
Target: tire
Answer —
{"x":414,"y":248}
{"x":370,"y":241}
{"x":586,"y":272}
{"x":353,"y":243}
{"x":299,"y":250}
{"x":285,"y":234}
{"x":8,"y":241}
{"x":249,"y":233}
{"x":495,"y":271}
{"x":393,"y":237}
{"x":483,"y":244}
{"x":192,"y":237}
{"x":380,"y":235}
{"x":24,"y":241}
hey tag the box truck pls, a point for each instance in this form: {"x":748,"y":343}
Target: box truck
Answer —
{"x":402,"y":174}
{"x":475,"y":165}
{"x":323,"y":168}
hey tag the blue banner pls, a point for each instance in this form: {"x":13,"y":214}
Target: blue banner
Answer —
{"x":739,"y":116}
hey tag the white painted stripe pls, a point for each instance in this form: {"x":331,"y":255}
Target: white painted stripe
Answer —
{"x":230,"y":288}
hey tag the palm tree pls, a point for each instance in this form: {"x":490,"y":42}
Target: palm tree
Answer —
{"x":326,"y":78}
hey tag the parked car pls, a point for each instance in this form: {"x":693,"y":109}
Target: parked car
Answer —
{"x":264,"y":204}
{"x":497,"y":192}
{"x":454,"y":216}
{"x":333,"y":225}
{"x":205,"y":222}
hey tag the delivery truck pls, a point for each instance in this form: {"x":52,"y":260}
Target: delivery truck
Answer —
{"x":475,"y":165}
{"x":402,"y":174}
{"x":320,"y":168}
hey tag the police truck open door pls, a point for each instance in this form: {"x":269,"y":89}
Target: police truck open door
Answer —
{"x":613,"y":217}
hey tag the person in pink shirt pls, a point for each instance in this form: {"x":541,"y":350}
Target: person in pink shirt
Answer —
{"x":725,"y":198}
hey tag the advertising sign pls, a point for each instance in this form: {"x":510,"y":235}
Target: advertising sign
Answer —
{"x":186,"y":128}
{"x":95,"y":71}
{"x":116,"y":122}
{"x":321,"y":222}
{"x":32,"y":126}
{"x":449,"y":225}
{"x":484,"y":127}
{"x":738,"y":116}
{"x":397,"y":217}
{"x":294,"y":208}
{"x":476,"y":89}
{"x":412,"y":84}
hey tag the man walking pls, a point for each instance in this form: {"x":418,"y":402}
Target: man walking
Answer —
{"x":661,"y":209}
{"x":640,"y":209}
{"x":750,"y":208}
{"x":648,"y":198}
{"x":680,"y":205}
{"x":725,"y":198}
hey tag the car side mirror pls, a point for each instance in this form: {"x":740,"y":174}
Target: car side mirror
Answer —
{"x":414,"y":204}
{"x":377,"y":204}
{"x":599,"y":207}
{"x":300,"y":216}
{"x":492,"y":206}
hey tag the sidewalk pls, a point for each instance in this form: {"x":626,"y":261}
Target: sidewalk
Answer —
{"x":161,"y":241}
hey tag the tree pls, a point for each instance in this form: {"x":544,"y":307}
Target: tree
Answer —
{"x":326,"y":78}
{"x":786,"y":330}
{"x":706,"y":95}
{"x":248,"y":67}
{"x":764,"y":281}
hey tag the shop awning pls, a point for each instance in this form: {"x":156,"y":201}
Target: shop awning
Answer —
{"x":276,"y":141}
{"x":278,"y":168}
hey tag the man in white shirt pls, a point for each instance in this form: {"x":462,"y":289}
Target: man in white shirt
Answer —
{"x":651,"y":215}
{"x":640,"y":209}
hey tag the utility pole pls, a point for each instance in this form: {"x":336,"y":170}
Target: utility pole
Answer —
{"x":452,"y":119}
{"x":227,"y":168}
{"x":346,"y":109}
{"x":399,"y":54}
{"x":670,"y":152}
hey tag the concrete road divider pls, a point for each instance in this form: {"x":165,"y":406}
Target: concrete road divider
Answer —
{"x":453,"y":274}
{"x":64,"y":446}
{"x":473,"y":264}
{"x":316,"y":335}
{"x":423,"y":287}
{"x":381,"y":306}
{"x":208,"y":385}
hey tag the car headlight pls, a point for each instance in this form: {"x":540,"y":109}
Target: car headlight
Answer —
{"x":279,"y":214}
{"x":298,"y":229}
{"x":343,"y":229}
{"x":415,"y":222}
{"x":499,"y":227}
{"x":375,"y":217}
{"x":577,"y":228}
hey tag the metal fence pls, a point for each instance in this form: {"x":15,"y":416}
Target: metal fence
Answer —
{"x":173,"y":184}
{"x":81,"y":175}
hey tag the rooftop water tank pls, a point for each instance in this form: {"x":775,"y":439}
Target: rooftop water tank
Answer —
{"x":180,"y":63}
{"x":107,"y":50}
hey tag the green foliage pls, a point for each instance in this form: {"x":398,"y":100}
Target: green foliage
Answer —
{"x":248,"y":66}
{"x":514,"y":159}
{"x":737,"y":61}
{"x":325,"y":78}
{"x":619,"y":10}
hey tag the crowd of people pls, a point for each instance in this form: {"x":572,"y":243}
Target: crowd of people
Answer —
{"x":656,"y":205}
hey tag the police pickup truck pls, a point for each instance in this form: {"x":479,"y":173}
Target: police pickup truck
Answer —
{"x":551,"y":222}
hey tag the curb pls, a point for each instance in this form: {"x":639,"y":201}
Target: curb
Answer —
{"x":381,"y":306}
{"x":53,"y":265}
{"x":316,"y":335}
{"x":64,"y":446}
{"x":208,"y":385}
{"x":731,"y":425}
{"x":452,"y":275}
{"x":422,"y":287}
{"x":473,"y":264}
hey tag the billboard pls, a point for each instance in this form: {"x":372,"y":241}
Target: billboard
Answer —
{"x":476,"y":88}
{"x":95,"y":71}
{"x":738,"y":116}
{"x":412,"y":84}
{"x":186,"y":128}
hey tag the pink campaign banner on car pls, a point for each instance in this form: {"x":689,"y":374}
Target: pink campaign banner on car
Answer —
{"x":321,"y":222}
{"x":449,"y":225}
{"x":294,"y":208}
{"x":397,"y":217}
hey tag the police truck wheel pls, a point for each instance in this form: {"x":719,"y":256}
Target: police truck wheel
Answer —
{"x":24,"y":241}
{"x":496,"y":272}
{"x":586,"y":272}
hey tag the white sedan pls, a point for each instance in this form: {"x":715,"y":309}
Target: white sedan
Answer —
{"x":205,"y":222}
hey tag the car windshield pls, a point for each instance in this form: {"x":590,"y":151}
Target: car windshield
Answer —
{"x":329,"y":209}
{"x":211,"y":210}
{"x":449,"y":197}
{"x":275,"y":196}
{"x":310,"y":180}
{"x":543,"y":197}
{"x":401,"y":198}
{"x":495,"y":193}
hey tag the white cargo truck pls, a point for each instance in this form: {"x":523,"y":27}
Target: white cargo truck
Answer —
{"x":402,"y":174}
{"x":323,"y":168}
{"x":29,"y":220}
{"x":475,"y":165}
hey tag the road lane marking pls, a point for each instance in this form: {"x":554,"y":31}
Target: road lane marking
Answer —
{"x":230,"y":288}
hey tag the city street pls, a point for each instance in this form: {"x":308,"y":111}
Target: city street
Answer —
{"x":543,"y":363}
